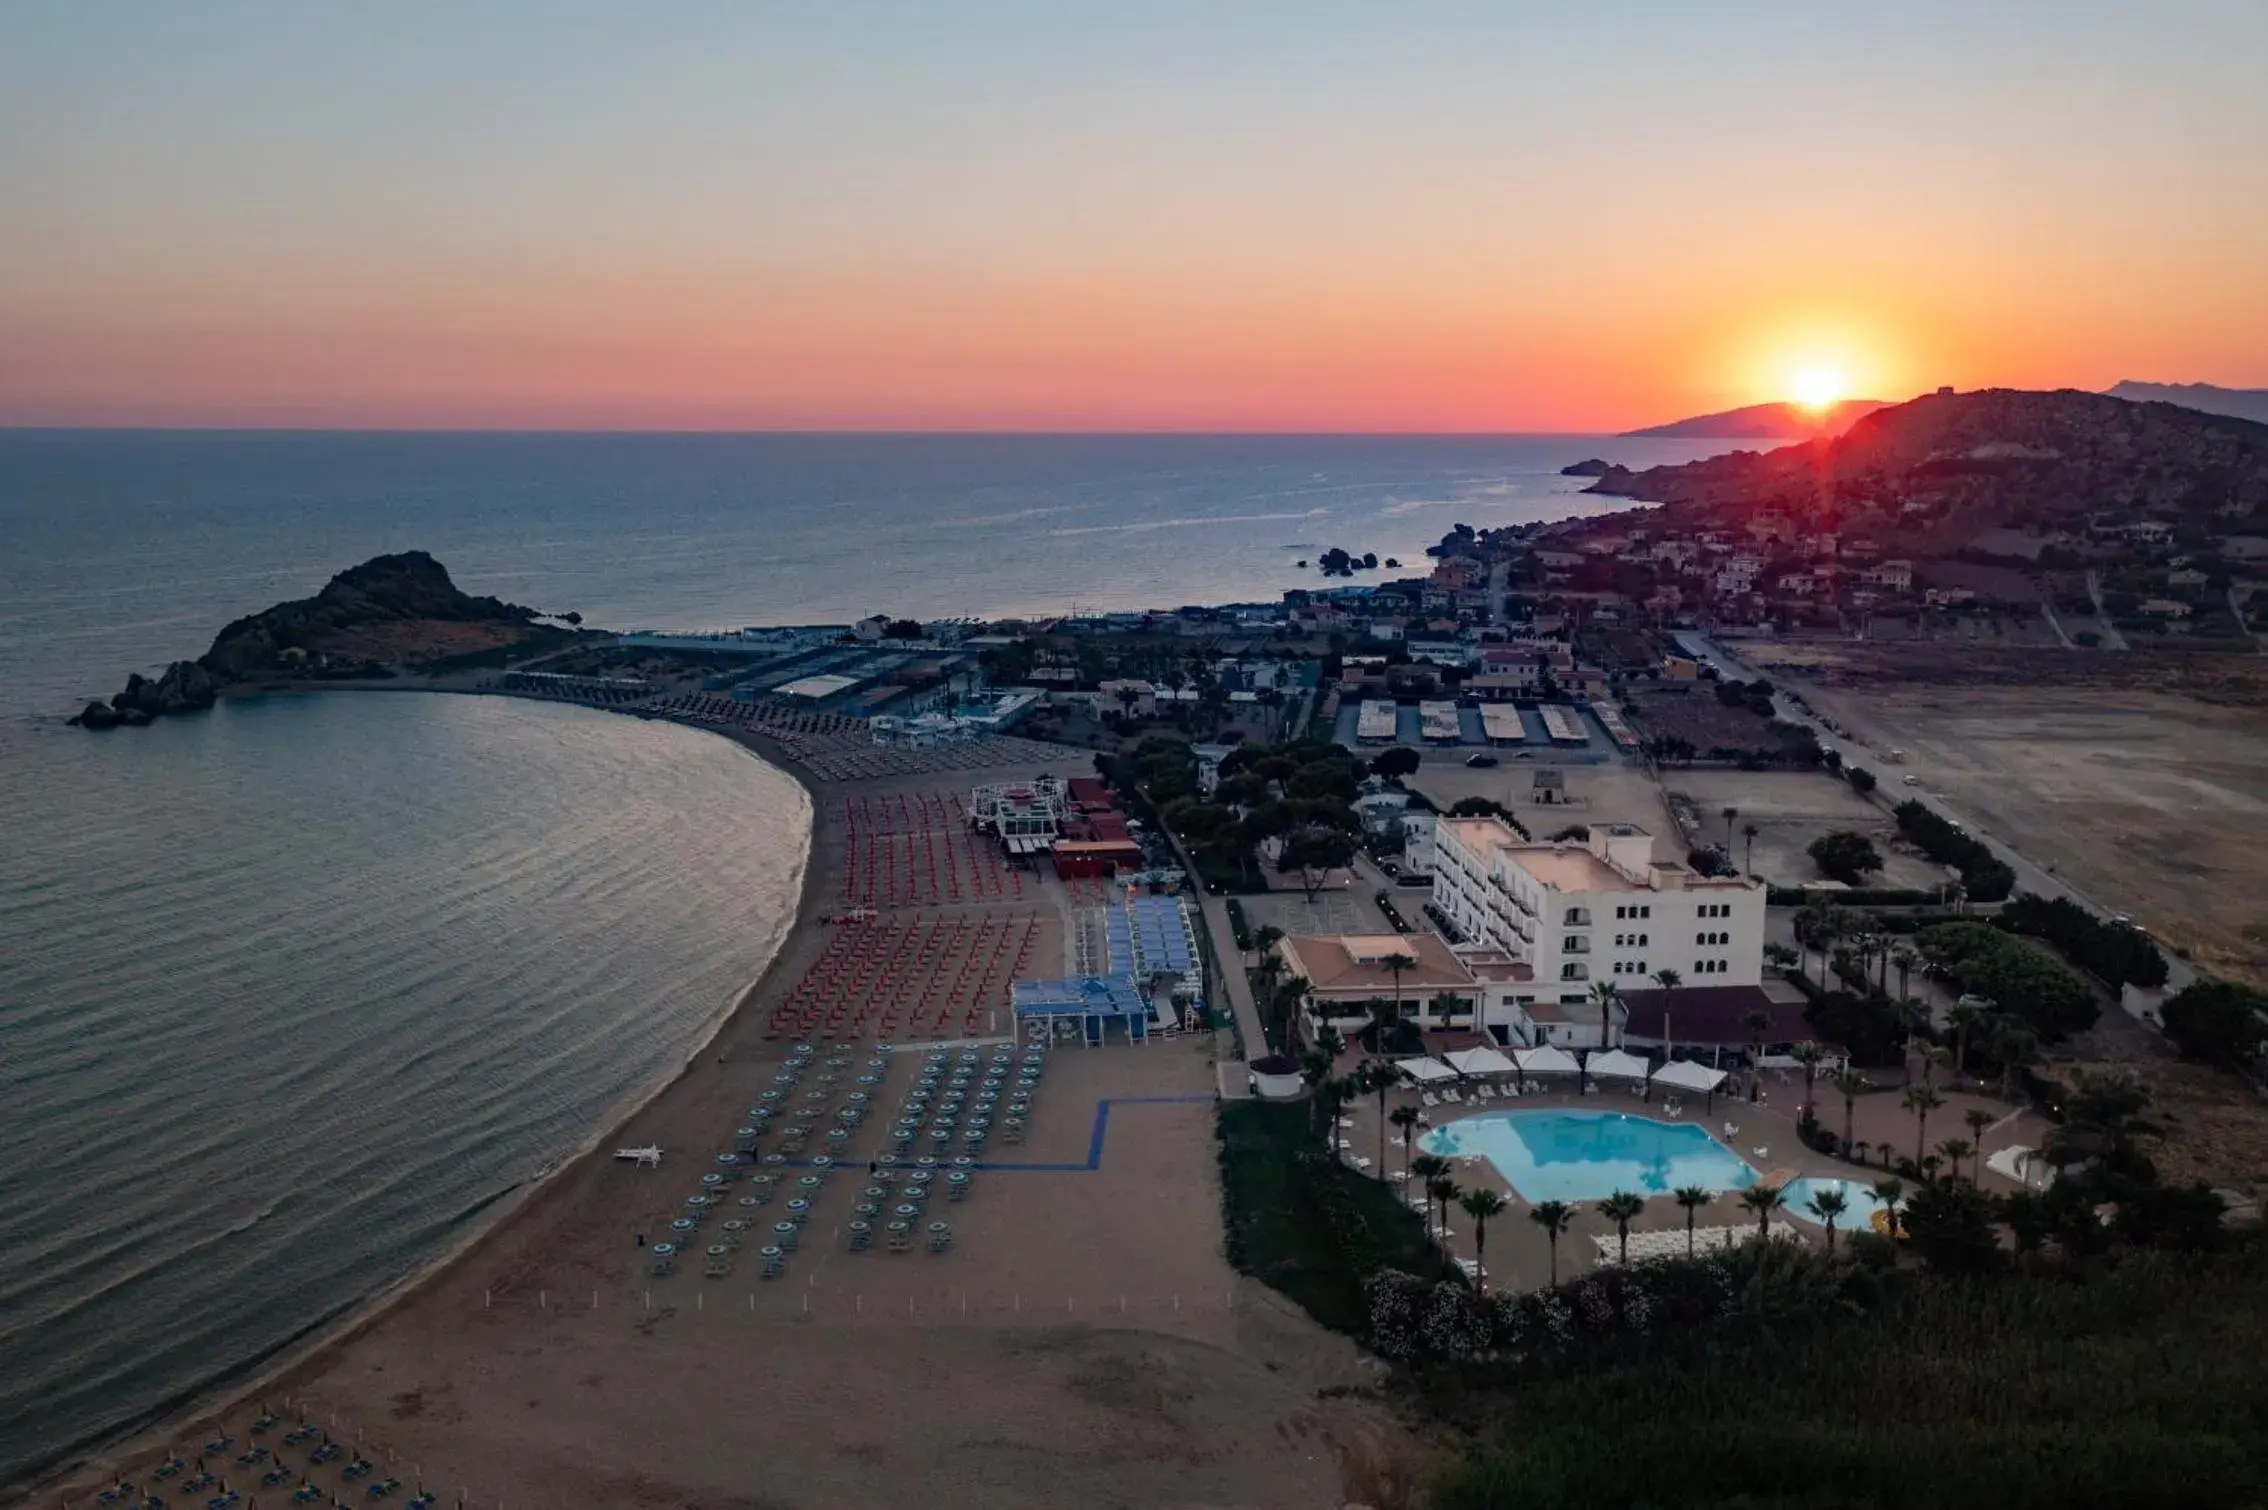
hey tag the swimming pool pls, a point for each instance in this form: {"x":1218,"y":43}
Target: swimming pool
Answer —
{"x":1588,"y":1156}
{"x":1860,"y":1203}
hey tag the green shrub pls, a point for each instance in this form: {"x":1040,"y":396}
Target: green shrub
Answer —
{"x":1985,"y":961}
{"x":2117,"y":953}
{"x":1987,"y":879}
{"x":2218,"y":1022}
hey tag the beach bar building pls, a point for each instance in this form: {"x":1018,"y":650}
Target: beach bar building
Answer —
{"x":1092,"y":1002}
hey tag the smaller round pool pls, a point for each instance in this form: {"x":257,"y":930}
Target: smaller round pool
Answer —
{"x":1860,"y":1203}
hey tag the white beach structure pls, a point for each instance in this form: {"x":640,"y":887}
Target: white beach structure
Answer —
{"x":1425,"y":1071}
{"x":1614,"y":1064}
{"x":1480,"y":1061}
{"x":1685,"y":1075}
{"x":1547,"y":1061}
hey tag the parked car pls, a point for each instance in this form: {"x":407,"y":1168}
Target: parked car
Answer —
{"x":1480,"y":762}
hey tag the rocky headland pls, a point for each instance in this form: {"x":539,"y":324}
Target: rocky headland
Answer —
{"x":2058,"y":457}
{"x":389,"y":614}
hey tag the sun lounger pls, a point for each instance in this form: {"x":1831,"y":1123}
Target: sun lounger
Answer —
{"x":1361,"y":1163}
{"x":1428,"y":1099}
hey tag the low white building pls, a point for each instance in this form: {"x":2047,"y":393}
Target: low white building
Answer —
{"x":1568,"y":915}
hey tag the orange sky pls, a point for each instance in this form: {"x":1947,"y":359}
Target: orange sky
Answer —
{"x":811,"y":219}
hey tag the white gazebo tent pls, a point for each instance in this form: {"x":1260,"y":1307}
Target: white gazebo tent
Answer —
{"x":1546,"y":1061}
{"x":2019,"y":1163}
{"x":1427,"y":1071}
{"x":1480,"y":1061}
{"x":1614,"y":1064}
{"x":1685,"y":1075}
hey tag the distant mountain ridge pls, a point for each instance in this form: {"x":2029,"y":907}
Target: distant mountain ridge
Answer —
{"x":2241,"y":403}
{"x":1765,"y":422}
{"x":2058,"y":455}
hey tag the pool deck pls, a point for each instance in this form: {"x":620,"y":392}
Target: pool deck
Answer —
{"x":1518,"y":1255}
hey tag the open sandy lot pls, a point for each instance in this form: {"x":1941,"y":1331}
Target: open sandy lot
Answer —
{"x":2148,"y":804}
{"x":1790,"y":809}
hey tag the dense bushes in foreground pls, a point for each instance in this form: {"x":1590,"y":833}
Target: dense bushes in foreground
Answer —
{"x":2123,"y":1391}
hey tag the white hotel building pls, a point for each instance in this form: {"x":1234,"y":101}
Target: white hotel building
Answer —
{"x":1540,"y":922}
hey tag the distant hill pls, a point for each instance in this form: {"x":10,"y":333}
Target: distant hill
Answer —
{"x":1766,"y":422}
{"x":1988,"y":455}
{"x":399,"y":610}
{"x":2243,"y":403}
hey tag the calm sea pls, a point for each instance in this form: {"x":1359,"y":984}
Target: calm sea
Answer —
{"x":291,"y":991}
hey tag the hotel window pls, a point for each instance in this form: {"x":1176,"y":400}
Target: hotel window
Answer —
{"x":1578,"y":917}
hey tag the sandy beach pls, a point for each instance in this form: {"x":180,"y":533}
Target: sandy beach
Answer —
{"x":1083,"y":1338}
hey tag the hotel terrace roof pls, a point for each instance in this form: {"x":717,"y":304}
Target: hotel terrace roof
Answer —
{"x":1349,"y":964}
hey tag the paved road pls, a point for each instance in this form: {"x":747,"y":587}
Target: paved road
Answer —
{"x":2029,"y":877}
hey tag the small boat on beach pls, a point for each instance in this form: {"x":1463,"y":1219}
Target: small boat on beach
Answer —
{"x":648,"y":1157}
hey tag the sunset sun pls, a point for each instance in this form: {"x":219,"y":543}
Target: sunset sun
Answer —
{"x":1816,"y":387}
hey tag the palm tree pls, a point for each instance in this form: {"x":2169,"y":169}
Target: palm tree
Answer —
{"x":1921,"y":1100}
{"x":1378,"y":1077}
{"x":1690,"y":1199}
{"x":1341,"y":1094}
{"x":1443,"y":1190}
{"x":1827,"y":1204}
{"x":1757,"y":1020}
{"x":1978,"y":1119}
{"x":1932,"y":1055}
{"x":1731,"y":813}
{"x":1607,"y":996}
{"x":1395,"y":965}
{"x":1852,"y":1084}
{"x":1763,"y":1200}
{"x":1809,"y":1055}
{"x":1619,"y":1208}
{"x":1905,"y":959}
{"x":1953,"y":1151}
{"x":2015,"y":1046}
{"x":1669,"y":980}
{"x":1480,"y":1205}
{"x":1429,"y":1166}
{"x":1446,"y":1004}
{"x":1264,"y":940}
{"x":1748,"y":833}
{"x":1962,"y":1017}
{"x":1405,"y":1120}
{"x":1890,"y":1192}
{"x":1780,"y":956}
{"x":1553,"y":1217}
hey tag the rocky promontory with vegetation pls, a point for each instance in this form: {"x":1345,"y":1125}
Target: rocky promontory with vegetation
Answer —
{"x":388,"y":614}
{"x":2056,"y":456}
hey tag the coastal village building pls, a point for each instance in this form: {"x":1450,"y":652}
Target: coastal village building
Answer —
{"x":1573,"y":914}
